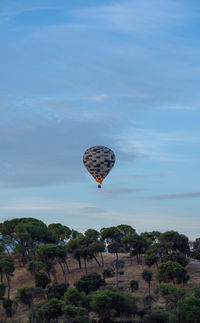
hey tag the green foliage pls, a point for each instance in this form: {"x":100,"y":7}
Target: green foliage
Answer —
{"x":159,"y":315}
{"x":171,"y":270}
{"x":108,"y":303}
{"x":92,"y":235}
{"x":196,"y":291}
{"x":62,"y":231}
{"x":147,"y":276}
{"x":56,"y":290}
{"x":7,"y":265}
{"x":90,"y":283}
{"x":171,"y":294}
{"x":73,"y":297}
{"x":75,"y":314}
{"x":49,"y":311}
{"x":177,"y":257}
{"x":174,"y":241}
{"x":196,"y":251}
{"x":41,"y":279}
{"x":135,"y":244}
{"x":107,"y":273}
{"x":35,"y":266}
{"x":134,"y":285}
{"x":189,"y":310}
{"x":26,"y":295}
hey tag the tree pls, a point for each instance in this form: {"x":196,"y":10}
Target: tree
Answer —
{"x":92,"y":235}
{"x":7,"y":268}
{"x":48,"y":255}
{"x":189,"y":310}
{"x":171,"y":294}
{"x":116,"y":265}
{"x":171,"y":270}
{"x":153,"y":254}
{"x":152,"y":237}
{"x":34,"y":266}
{"x":75,"y":314}
{"x":62,"y":231}
{"x":112,"y":237}
{"x":56,"y":290}
{"x":61,"y":256}
{"x":7,"y":305}
{"x":29,"y":233}
{"x":136,"y":245}
{"x":89,"y":283}
{"x":74,"y":248}
{"x":107,"y":304}
{"x":134,"y":285}
{"x":41,"y":279}
{"x":2,"y":290}
{"x":158,"y":315}
{"x":26,"y":295}
{"x":50,"y":311}
{"x":147,"y":276}
{"x":73,"y":297}
{"x":177,"y":257}
{"x":173,"y":241}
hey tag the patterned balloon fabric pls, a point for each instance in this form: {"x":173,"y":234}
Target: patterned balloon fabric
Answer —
{"x":99,"y":161}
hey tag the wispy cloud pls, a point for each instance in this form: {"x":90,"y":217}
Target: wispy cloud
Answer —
{"x":137,"y":16}
{"x":100,"y":97}
{"x":175,"y":196}
{"x":157,"y":145}
{"x":122,"y":191}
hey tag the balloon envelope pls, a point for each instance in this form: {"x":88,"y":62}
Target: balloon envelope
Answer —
{"x":99,"y":161}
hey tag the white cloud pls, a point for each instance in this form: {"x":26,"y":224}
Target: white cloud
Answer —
{"x":101,"y":97}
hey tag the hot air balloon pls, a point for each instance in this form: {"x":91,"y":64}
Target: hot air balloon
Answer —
{"x":99,"y":161}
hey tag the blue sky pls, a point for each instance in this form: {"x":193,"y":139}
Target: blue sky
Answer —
{"x":124,"y":74}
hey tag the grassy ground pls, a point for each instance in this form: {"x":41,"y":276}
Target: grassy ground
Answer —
{"x":131,"y":271}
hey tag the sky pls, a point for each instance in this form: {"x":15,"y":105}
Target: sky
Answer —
{"x":121,"y":73}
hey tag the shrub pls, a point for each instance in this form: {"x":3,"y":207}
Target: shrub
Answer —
{"x":107,"y":273}
{"x":134,"y":285}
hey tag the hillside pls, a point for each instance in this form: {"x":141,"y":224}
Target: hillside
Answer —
{"x":131,"y":271}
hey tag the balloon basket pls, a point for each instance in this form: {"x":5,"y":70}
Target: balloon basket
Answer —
{"x":99,"y":186}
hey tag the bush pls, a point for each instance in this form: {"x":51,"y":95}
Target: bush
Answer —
{"x":7,"y":302}
{"x":107,"y":273}
{"x":89,"y":283}
{"x":56,"y":290}
{"x":41,"y":279}
{"x":158,"y":315}
{"x":134,"y":285}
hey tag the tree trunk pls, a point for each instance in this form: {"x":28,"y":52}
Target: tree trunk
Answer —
{"x":117,"y":256}
{"x":67,"y":266}
{"x":64,"y":271}
{"x":97,"y":261}
{"x":8,"y":279}
{"x":85,"y":266}
{"x":149,"y":287}
{"x":79,"y":262}
{"x":53,"y":270}
{"x":48,"y":274}
{"x":116,"y":276}
{"x":102,"y":260}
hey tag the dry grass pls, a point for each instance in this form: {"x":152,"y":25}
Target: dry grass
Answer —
{"x":131,"y":271}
